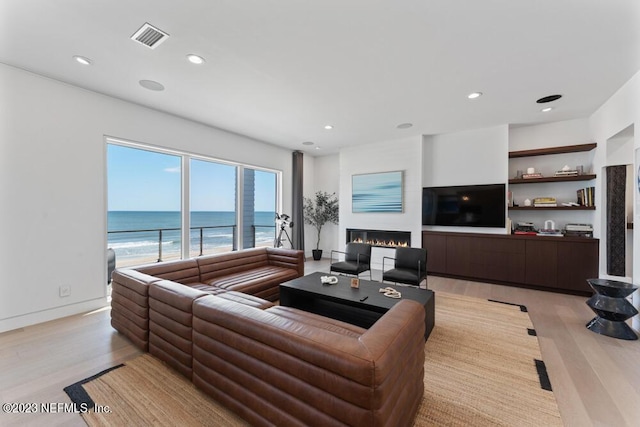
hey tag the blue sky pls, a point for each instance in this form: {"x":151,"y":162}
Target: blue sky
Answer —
{"x":140,"y":180}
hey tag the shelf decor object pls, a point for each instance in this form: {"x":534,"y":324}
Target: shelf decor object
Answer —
{"x":612,"y":308}
{"x":377,"y":192}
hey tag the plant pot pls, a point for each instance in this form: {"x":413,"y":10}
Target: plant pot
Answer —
{"x":317,"y":254}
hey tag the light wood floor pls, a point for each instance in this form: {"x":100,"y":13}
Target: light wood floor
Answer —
{"x":596,"y":379}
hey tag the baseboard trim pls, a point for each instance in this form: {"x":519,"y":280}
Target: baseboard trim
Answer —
{"x":51,"y":314}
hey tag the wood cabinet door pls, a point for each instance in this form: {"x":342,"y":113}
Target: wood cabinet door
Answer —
{"x":498,"y":259}
{"x":577,"y":262}
{"x":541,"y":263}
{"x":436,"y":246}
{"x":459,"y":256}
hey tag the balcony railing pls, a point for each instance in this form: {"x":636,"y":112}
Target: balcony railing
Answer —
{"x":199,"y":232}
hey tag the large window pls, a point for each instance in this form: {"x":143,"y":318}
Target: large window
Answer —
{"x":144,"y":199}
{"x":213,"y":207}
{"x":167,"y":205}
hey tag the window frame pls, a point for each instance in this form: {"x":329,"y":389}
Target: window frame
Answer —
{"x":185,"y":162}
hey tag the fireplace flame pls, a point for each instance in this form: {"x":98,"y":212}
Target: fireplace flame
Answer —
{"x":386,"y":243}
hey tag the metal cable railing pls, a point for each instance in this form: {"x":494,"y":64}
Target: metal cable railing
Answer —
{"x":201,"y":239}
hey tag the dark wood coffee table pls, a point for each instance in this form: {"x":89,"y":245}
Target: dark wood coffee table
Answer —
{"x":361,"y":306}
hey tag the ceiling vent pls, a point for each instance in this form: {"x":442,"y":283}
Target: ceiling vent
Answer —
{"x":149,"y":36}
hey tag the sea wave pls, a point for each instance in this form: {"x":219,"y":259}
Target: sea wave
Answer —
{"x":137,"y":244}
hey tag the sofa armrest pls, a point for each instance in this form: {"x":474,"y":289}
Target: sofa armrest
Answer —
{"x":288,"y":258}
{"x":393,"y":335}
{"x":134,"y":280}
{"x":396,"y":345}
{"x":130,"y":305}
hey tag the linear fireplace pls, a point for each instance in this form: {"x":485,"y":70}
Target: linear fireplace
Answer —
{"x":380,"y":238}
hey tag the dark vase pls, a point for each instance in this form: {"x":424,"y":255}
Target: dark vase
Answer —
{"x":317,"y":254}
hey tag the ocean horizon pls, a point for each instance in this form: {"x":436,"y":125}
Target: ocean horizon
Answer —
{"x":135,"y":234}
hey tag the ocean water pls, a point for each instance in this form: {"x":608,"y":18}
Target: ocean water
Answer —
{"x":135,"y":234}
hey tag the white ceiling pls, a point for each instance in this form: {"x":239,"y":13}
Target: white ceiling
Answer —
{"x":278,"y":71}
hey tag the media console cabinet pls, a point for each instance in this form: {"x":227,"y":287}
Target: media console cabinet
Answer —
{"x":560,"y":264}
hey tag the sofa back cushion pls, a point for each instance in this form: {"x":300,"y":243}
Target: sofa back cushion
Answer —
{"x":181,"y":271}
{"x":229,"y":263}
{"x":287,"y":258}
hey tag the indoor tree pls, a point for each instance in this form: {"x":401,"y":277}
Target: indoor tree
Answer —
{"x":318,"y":211}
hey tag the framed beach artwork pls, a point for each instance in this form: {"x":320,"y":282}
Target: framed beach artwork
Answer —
{"x":377,"y":192}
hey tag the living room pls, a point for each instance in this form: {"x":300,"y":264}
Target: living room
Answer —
{"x":54,"y":179}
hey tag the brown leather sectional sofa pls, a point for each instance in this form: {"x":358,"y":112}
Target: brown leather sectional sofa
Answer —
{"x":277,"y":365}
{"x":253,"y":272}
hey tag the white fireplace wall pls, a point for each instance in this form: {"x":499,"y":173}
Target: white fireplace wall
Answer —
{"x":403,"y":154}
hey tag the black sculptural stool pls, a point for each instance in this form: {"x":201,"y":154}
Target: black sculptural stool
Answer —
{"x":612,"y":308}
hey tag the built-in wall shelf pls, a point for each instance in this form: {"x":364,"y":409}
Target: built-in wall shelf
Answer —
{"x":587,"y":177}
{"x":552,"y":208}
{"x":553,"y":150}
{"x":562,"y":187}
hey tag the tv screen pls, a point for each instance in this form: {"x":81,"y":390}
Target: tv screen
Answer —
{"x":464,"y":205}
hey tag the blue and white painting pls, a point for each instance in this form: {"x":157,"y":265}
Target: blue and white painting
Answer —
{"x":377,"y":192}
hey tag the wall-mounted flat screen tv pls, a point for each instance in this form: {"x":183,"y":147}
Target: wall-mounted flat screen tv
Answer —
{"x":464,"y":205}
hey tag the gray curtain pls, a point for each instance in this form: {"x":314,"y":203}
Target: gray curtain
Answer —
{"x":616,"y":221}
{"x":297,"y":214}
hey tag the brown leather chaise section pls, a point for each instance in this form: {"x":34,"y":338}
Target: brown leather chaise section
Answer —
{"x":284,"y":367}
{"x":257,"y":272}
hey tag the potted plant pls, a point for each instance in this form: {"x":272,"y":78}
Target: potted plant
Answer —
{"x":319,"y":211}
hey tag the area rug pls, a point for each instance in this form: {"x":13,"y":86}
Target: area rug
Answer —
{"x":483,"y":368}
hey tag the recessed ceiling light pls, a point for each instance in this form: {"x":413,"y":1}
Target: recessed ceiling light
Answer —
{"x":547,"y":109}
{"x":404,"y":125}
{"x":82,"y":60}
{"x":317,"y":148}
{"x":328,"y":127}
{"x":151,"y":85}
{"x":307,"y":143}
{"x":549,"y":98}
{"x":474,"y":95}
{"x":195,"y":59}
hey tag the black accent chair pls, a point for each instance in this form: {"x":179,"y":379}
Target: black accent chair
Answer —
{"x":410,"y":266}
{"x":357,"y":259}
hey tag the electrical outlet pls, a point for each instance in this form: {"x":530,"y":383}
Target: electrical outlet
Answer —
{"x":65,"y":291}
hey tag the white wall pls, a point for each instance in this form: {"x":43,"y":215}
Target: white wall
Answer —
{"x":387,"y":156}
{"x":53,"y":187}
{"x":466,"y":158}
{"x":618,"y":113}
{"x":554,"y":134}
